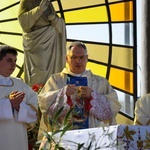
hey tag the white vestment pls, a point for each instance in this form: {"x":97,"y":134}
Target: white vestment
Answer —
{"x":44,"y":42}
{"x":142,"y":110}
{"x":52,"y":94}
{"x":13,"y":124}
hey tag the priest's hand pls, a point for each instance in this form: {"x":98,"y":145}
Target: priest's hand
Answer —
{"x":16,"y":98}
{"x":70,"y":89}
{"x":85,"y":92}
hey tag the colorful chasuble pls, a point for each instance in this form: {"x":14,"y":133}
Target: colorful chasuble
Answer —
{"x":80,"y":115}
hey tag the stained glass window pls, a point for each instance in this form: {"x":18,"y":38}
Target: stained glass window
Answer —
{"x":107,"y":27}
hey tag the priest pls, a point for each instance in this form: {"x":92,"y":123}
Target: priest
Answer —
{"x":91,"y":96}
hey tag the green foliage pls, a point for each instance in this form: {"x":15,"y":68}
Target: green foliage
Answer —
{"x":54,"y":138}
{"x":57,"y":128}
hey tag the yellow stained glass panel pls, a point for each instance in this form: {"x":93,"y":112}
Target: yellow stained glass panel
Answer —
{"x":67,"y":4}
{"x":98,"y":52}
{"x":122,"y":57}
{"x":15,"y":73}
{"x":96,"y":14}
{"x":97,"y":69}
{"x":12,"y":40}
{"x":121,"y":79}
{"x":6,"y":3}
{"x":114,"y":1}
{"x":122,"y":11}
{"x":20,"y":59}
{"x":9,"y":13}
{"x":11,"y":26}
{"x":87,"y":13}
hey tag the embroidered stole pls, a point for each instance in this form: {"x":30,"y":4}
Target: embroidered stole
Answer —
{"x":80,"y":116}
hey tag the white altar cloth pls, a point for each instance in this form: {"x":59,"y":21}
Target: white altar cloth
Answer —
{"x":97,"y":138}
{"x":119,"y":137}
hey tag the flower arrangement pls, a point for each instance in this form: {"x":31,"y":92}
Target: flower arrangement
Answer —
{"x":32,"y":134}
{"x":37,"y":88}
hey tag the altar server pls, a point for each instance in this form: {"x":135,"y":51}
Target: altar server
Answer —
{"x":18,"y":104}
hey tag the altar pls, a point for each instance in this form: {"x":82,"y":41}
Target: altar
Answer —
{"x":119,"y":137}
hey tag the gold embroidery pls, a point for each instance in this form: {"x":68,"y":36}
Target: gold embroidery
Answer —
{"x":79,"y":92}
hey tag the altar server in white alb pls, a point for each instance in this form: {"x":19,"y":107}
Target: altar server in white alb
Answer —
{"x":18,"y":104}
{"x":91,"y":96}
{"x":142,"y":110}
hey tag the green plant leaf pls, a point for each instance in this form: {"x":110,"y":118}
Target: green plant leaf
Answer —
{"x":58,"y":113}
{"x":66,"y":128}
{"x":80,"y":146}
{"x":89,"y":147}
{"x":56,"y":132}
{"x":61,"y":148}
{"x":48,"y":136}
{"x":68,"y":116}
{"x":50,"y":121}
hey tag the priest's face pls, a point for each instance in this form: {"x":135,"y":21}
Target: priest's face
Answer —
{"x":77,"y":59}
{"x":8,"y":65}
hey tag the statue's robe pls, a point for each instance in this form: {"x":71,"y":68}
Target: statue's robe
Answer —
{"x":44,"y":41}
